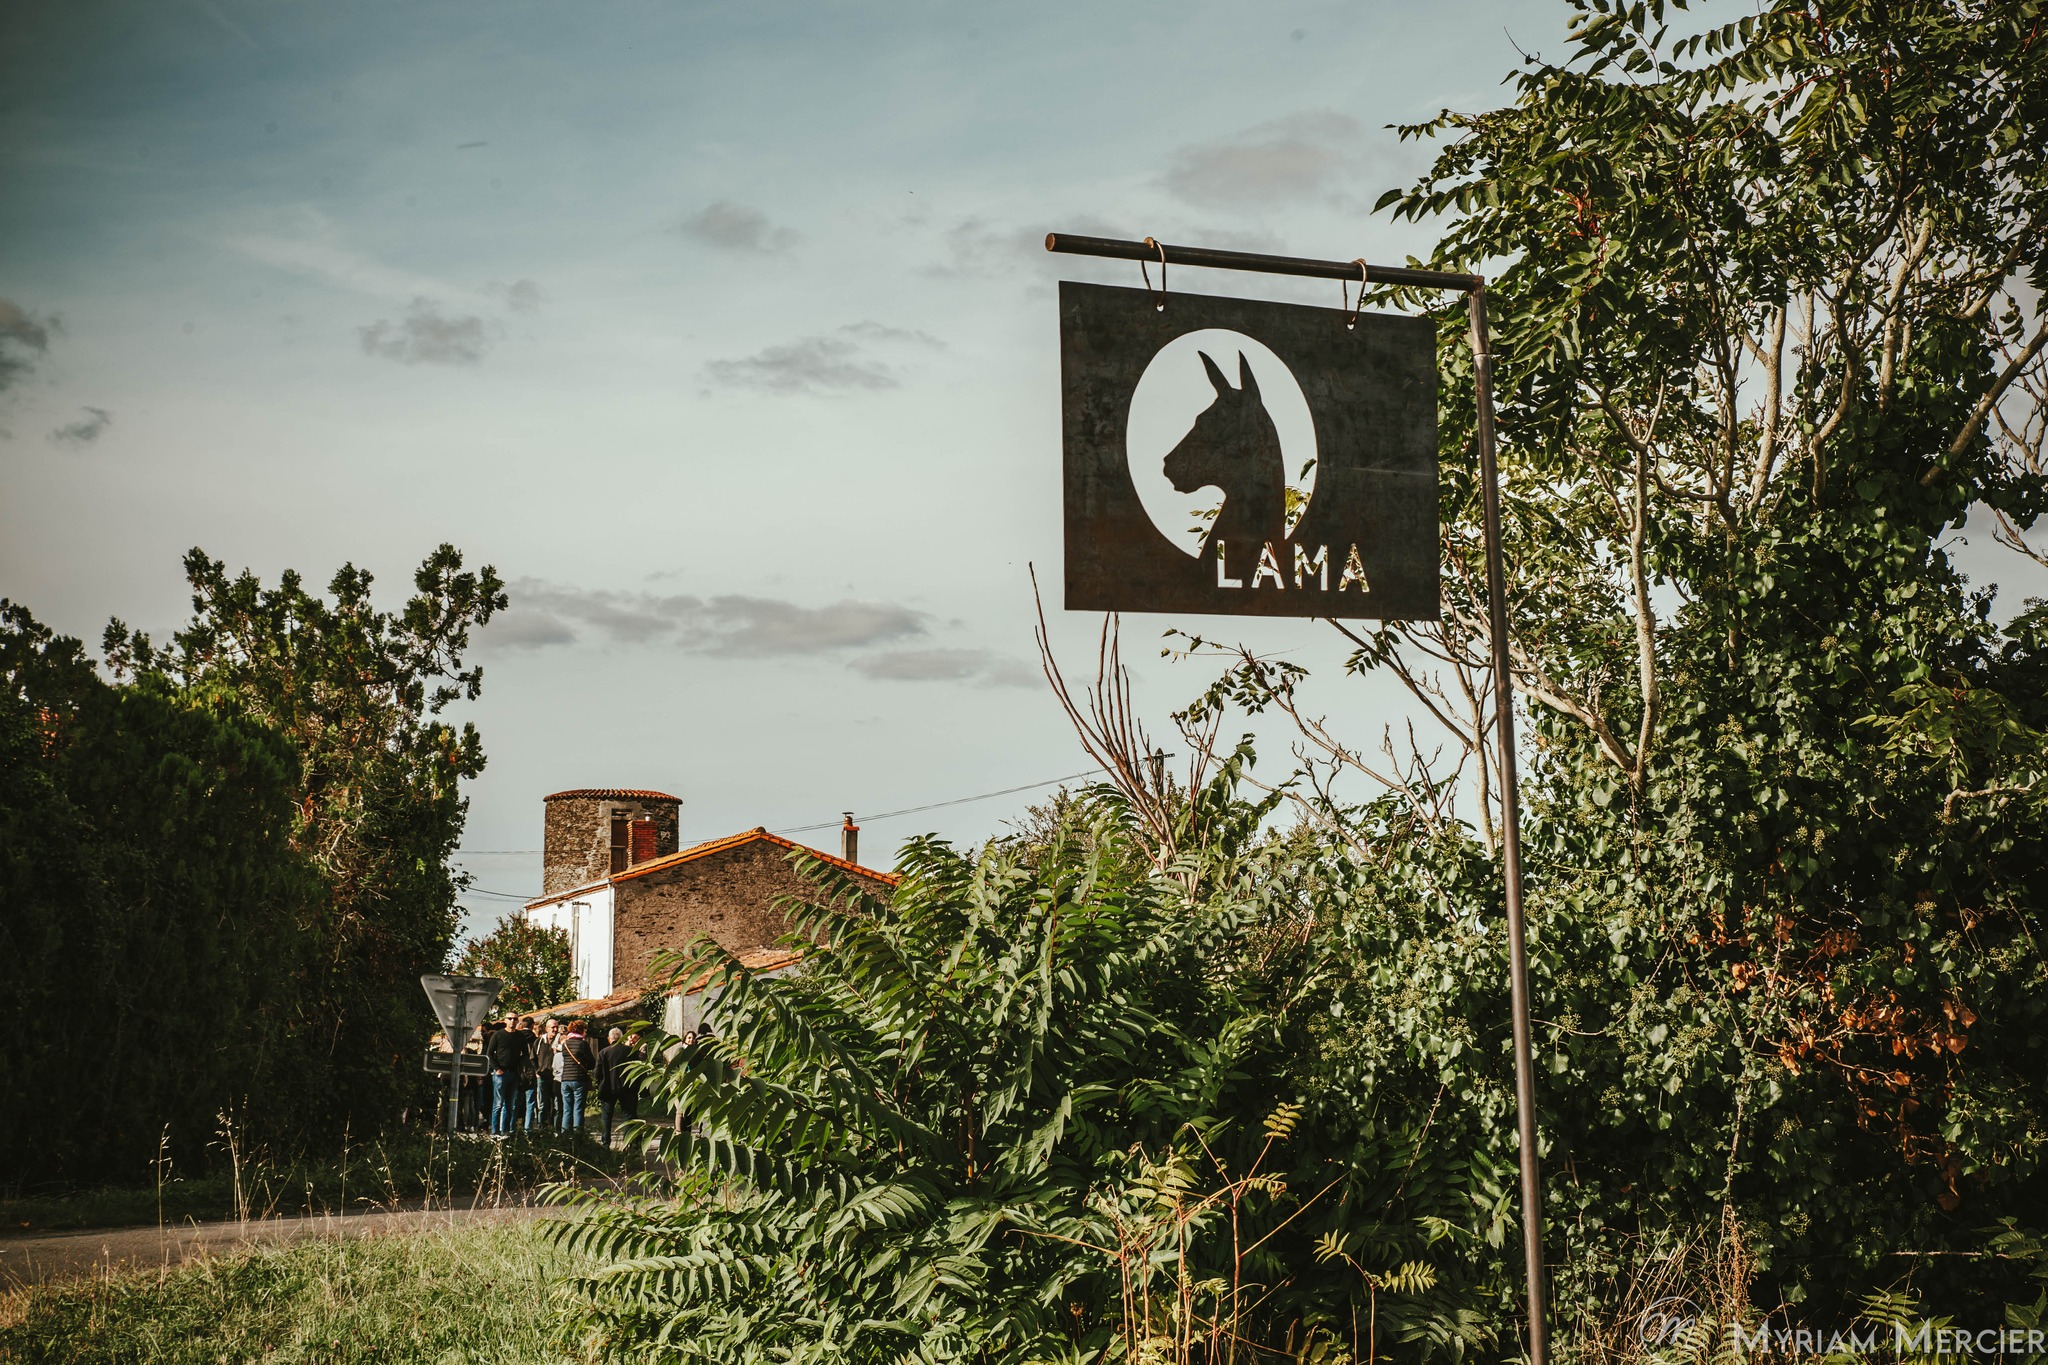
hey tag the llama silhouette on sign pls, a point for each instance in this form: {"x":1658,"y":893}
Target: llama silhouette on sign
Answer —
{"x":1289,"y":400}
{"x":1234,"y":446}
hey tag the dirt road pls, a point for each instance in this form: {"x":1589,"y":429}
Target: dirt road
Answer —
{"x":39,"y":1258}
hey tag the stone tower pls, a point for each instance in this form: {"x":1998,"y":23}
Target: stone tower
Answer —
{"x":592,"y":832}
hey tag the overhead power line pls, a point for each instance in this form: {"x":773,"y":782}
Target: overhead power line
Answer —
{"x":956,"y":801}
{"x":806,"y":829}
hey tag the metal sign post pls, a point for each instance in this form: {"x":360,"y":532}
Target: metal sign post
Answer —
{"x":1287,"y":591}
{"x":460,"y":1003}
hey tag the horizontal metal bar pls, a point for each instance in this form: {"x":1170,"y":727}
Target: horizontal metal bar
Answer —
{"x":1268,"y":265}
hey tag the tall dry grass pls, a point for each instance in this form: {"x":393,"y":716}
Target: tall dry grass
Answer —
{"x":1673,"y":1309}
{"x":450,"y":1296}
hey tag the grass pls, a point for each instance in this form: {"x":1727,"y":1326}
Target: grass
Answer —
{"x":481,"y":1293}
{"x":412,"y":1169}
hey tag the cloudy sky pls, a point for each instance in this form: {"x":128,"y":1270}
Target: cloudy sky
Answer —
{"x":722,"y":330}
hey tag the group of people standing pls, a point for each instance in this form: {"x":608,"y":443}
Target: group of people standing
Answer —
{"x":542,"y":1071}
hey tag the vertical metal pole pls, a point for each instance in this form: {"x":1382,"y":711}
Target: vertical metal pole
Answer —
{"x":1511,"y":832}
{"x":457,"y":1038}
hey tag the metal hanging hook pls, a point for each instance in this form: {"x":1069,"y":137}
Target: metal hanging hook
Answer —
{"x":1344,"y":293}
{"x":1159,"y":304}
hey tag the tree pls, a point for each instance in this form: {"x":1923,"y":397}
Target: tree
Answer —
{"x":1768,"y":326}
{"x":533,"y":960}
{"x":358,"y":693}
{"x":152,"y":918}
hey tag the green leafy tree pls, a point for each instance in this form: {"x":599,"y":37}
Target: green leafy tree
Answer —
{"x":359,"y":693}
{"x":533,"y":960}
{"x":152,"y":918}
{"x":1767,"y":329}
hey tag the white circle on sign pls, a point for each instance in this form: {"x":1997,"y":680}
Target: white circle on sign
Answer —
{"x":1175,"y":390}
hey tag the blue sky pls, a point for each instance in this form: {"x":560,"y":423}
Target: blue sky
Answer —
{"x":722,"y":330}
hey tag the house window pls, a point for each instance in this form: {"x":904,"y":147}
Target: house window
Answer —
{"x":622,"y":848}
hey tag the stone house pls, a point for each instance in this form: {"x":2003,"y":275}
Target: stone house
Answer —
{"x":616,"y":883}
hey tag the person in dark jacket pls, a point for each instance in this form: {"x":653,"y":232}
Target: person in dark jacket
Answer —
{"x":529,"y":1071}
{"x":548,"y":1094}
{"x":529,"y":1074}
{"x":476,"y":1114}
{"x":574,"y":1061}
{"x":506,"y":1049}
{"x":615,"y":1091}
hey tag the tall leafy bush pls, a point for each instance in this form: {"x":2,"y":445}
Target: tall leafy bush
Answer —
{"x":1040,"y":1105}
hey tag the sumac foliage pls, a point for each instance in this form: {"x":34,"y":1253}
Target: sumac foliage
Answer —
{"x":1041,"y":1105}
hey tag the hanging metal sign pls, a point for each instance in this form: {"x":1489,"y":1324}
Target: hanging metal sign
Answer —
{"x":1372,"y":411}
{"x":1246,"y":458}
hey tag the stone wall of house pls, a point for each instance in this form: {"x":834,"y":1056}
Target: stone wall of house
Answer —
{"x":576,"y":838}
{"x":729,"y":896}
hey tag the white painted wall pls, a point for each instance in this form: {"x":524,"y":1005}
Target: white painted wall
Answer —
{"x":682,"y":1014}
{"x":587,"y":919}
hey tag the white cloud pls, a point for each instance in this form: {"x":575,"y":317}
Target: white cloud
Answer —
{"x":21,"y":333}
{"x":836,"y":362}
{"x":1302,"y":156}
{"x":85,"y":430}
{"x":521,"y":296}
{"x":977,"y":666}
{"x":807,"y":365}
{"x":734,"y":626}
{"x":428,"y":335}
{"x":875,"y":331}
{"x":736,"y":227}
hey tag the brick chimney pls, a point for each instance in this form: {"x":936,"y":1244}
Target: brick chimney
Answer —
{"x":849,"y":840}
{"x":646,"y":839}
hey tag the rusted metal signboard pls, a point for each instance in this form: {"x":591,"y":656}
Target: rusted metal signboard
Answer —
{"x":1247,"y":458}
{"x":1372,"y":418}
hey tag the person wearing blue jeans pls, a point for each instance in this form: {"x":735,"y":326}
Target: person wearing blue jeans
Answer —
{"x":504,"y":1103}
{"x":573,"y":1063}
{"x":529,"y":1074}
{"x":508,"y":1049}
{"x":572,"y":1106}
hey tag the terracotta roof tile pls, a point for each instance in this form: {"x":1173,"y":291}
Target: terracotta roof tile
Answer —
{"x":732,"y":841}
{"x":707,"y":849}
{"x":613,"y":793}
{"x":571,"y":894}
{"x":601,"y":1005}
{"x":757,"y":960}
